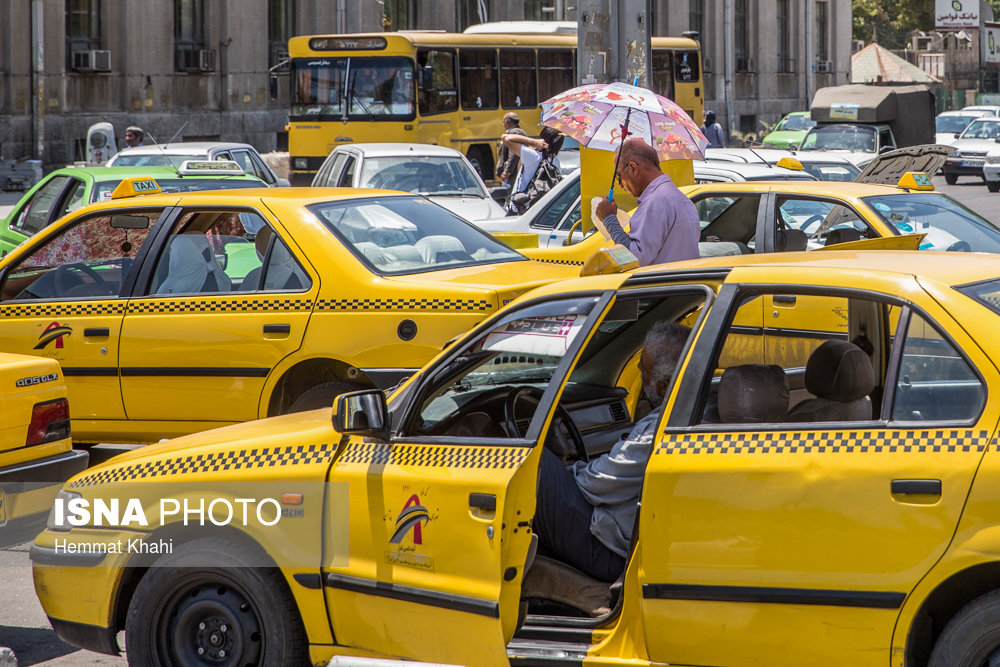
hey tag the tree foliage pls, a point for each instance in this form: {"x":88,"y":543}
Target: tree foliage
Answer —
{"x":891,"y":22}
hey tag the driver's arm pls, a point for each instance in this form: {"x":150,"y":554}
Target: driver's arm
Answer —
{"x":617,"y":476}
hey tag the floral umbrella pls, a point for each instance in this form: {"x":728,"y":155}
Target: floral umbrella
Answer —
{"x":596,"y":115}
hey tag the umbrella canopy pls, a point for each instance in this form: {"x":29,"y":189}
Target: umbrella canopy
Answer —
{"x":594,"y":115}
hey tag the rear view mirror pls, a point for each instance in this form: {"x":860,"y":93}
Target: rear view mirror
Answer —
{"x":362,"y":413}
{"x":129,"y":222}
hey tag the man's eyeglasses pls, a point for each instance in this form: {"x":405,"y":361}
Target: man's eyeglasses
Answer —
{"x":618,"y":175}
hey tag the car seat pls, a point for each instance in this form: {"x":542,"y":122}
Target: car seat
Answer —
{"x":192,"y":268}
{"x":441,"y":248}
{"x":753,"y":394}
{"x":842,"y":235}
{"x":840,"y":375}
{"x":790,"y":240}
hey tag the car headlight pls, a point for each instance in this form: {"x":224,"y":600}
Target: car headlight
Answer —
{"x":993,"y":159}
{"x":300,"y":163}
{"x":57,"y":515}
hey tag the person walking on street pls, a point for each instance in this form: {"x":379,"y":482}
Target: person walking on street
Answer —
{"x":531,"y":151}
{"x":507,"y":162}
{"x":133,"y":136}
{"x":713,"y":131}
{"x":664,"y":227}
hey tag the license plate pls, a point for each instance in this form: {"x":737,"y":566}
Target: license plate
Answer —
{"x":973,"y":163}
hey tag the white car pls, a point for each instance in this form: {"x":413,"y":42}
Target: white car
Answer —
{"x":554,"y":215}
{"x":991,"y":170}
{"x":441,"y":174}
{"x":824,"y":165}
{"x":971,"y":147}
{"x":991,"y":109}
{"x":948,"y":125}
{"x":175,"y":154}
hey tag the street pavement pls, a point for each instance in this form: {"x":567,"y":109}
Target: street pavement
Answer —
{"x":23,"y":625}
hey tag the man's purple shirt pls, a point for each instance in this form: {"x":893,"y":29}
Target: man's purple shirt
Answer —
{"x":664,"y":227}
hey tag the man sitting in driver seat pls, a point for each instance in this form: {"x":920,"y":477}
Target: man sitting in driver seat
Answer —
{"x":586,"y":511}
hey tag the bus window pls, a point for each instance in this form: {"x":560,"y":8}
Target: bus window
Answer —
{"x":478,"y":78}
{"x":663,"y":74}
{"x":686,"y":66}
{"x":318,"y":87}
{"x":439,"y":92}
{"x":556,"y":72}
{"x":517,"y":79}
{"x":380,"y":87}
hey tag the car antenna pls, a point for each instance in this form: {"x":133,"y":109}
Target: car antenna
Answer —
{"x":163,"y":147}
{"x":759,"y":157}
{"x":177,"y":133}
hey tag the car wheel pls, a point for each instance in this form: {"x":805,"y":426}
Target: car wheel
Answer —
{"x":972,"y":637}
{"x":481,"y":162}
{"x":213,"y":602}
{"x":950,"y":179}
{"x":993,"y":186}
{"x":322,"y":395}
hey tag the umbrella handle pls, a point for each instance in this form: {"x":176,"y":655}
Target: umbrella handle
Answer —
{"x":611,"y":193}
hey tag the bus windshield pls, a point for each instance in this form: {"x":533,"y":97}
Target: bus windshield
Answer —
{"x":367,"y":88}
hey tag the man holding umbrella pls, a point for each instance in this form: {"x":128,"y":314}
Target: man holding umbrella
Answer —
{"x":664,"y":227}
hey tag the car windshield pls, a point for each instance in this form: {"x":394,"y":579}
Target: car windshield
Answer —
{"x":102,"y":191}
{"x":353,"y":88}
{"x":123,"y":159}
{"x":840,"y":137}
{"x":982,"y":129}
{"x":402,"y":235}
{"x":953,"y":124}
{"x":439,"y":176}
{"x":795,"y":123}
{"x":832,"y":171}
{"x":947,"y":224}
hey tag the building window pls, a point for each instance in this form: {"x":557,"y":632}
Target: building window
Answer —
{"x":280,"y":28}
{"x":741,"y":36}
{"x":545,"y":10}
{"x":471,"y":12}
{"x":399,"y":15}
{"x":83,"y":29}
{"x":696,"y":16}
{"x":783,"y":50}
{"x":822,"y":49}
{"x":189,"y":38}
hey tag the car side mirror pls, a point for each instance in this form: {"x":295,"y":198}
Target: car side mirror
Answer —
{"x":885,"y":149}
{"x":362,"y":413}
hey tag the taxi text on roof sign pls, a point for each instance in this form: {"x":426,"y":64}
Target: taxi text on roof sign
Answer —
{"x":131,"y":187}
{"x":202,"y":167}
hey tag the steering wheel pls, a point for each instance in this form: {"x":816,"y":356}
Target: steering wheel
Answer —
{"x":960,"y":246}
{"x":810,"y":221}
{"x":64,"y":279}
{"x":557,"y":439}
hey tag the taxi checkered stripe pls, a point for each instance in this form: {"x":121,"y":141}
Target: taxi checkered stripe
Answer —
{"x":434,"y":456}
{"x":218,"y":306}
{"x":402,"y":304}
{"x":63,"y":309}
{"x":860,"y":442}
{"x":565,"y":262}
{"x":197,"y":463}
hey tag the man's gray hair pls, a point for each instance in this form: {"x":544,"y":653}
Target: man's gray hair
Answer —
{"x":665,"y":340}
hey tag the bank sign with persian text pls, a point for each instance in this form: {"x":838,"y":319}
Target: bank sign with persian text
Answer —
{"x":956,"y":14}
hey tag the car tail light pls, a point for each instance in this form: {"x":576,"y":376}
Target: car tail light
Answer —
{"x":49,"y":422}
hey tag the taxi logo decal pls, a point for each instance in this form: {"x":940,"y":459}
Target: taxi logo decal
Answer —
{"x":410,"y":518}
{"x":433,"y":456}
{"x":63,"y":309}
{"x":835,"y":442}
{"x":563,"y":262}
{"x":403,"y":304}
{"x":53,"y":332}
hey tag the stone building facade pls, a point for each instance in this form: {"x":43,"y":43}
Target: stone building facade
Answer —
{"x":200,"y":69}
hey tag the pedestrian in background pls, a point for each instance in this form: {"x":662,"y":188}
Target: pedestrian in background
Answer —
{"x":508,"y":161}
{"x":713,"y":131}
{"x":133,"y":136}
{"x":664,"y":227}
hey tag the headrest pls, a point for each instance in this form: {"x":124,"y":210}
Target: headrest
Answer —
{"x":264,"y":235}
{"x":790,"y":240}
{"x":755,"y":393}
{"x":842,"y":235}
{"x":839,"y":371}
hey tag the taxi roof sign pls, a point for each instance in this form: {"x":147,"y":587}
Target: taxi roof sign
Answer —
{"x":789,"y":162}
{"x":209,"y":167}
{"x":615,"y":259}
{"x":915,"y":180}
{"x":134,"y":186}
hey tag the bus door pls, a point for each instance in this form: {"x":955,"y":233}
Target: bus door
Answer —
{"x":438,"y":95}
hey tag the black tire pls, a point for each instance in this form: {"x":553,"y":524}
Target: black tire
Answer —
{"x":993,"y":186}
{"x":236,"y":611}
{"x":972,"y":636}
{"x":950,"y":179}
{"x":482,"y":162}
{"x":322,"y":395}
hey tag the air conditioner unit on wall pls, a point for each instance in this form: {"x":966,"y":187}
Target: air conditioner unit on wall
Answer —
{"x":92,"y":61}
{"x":196,"y":60}
{"x":824,"y":66}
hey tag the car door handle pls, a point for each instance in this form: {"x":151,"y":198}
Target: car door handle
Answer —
{"x":96,"y":331}
{"x":783,"y":298}
{"x":277,"y":328}
{"x":483,"y":501}
{"x":925,"y":487}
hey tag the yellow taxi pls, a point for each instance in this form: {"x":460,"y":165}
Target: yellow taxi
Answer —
{"x":36,"y":452}
{"x":174,"y":313}
{"x":828,"y":498}
{"x":781,"y":216}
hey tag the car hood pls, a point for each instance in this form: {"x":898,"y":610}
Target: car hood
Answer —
{"x":782,"y":138}
{"x":469,"y":207}
{"x":975,"y":145}
{"x":888,"y":168}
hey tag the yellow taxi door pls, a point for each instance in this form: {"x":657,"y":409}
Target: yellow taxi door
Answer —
{"x":65,"y":300}
{"x":793,"y":537}
{"x":439,"y":514}
{"x":221,"y":302}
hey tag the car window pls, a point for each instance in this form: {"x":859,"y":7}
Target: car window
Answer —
{"x":550,"y":216}
{"x":86,"y":260}
{"x":832,"y":172}
{"x":728,"y":217}
{"x":279,"y":270}
{"x":35,"y":215}
{"x":982,"y":129}
{"x":935,"y":382}
{"x":210,"y":252}
{"x":824,"y":222}
{"x":328,"y":178}
{"x":261,"y":170}
{"x":947,"y":225}
{"x":346,"y":179}
{"x":242,"y":158}
{"x":73,"y":198}
{"x":424,"y":175}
